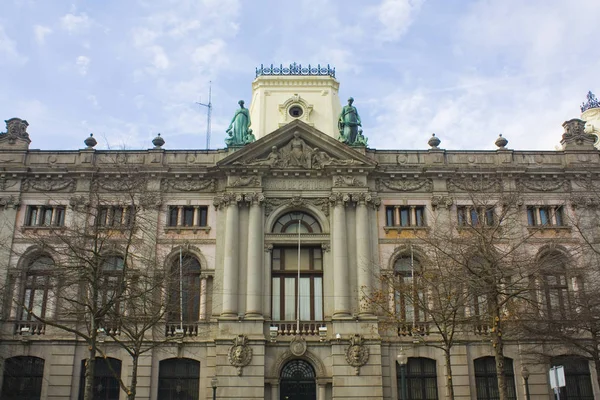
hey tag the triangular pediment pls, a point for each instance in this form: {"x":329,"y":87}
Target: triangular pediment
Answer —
{"x":297,"y":146}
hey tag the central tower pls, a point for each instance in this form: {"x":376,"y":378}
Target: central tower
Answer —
{"x":283,"y":94}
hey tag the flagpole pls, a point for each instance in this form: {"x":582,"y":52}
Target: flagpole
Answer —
{"x":180,"y":290}
{"x":298,"y":294}
{"x":414,"y":282}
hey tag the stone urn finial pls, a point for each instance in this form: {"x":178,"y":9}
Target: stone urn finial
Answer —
{"x":158,"y":142}
{"x":501,"y":142}
{"x":434,"y":141}
{"x":90,"y":141}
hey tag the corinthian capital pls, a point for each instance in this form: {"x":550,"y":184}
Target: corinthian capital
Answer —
{"x":254,"y":198}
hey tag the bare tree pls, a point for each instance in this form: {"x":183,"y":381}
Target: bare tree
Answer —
{"x":102,"y":272}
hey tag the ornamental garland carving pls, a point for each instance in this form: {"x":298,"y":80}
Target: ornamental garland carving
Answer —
{"x":543,"y":185}
{"x":346,"y":181}
{"x":298,"y":346}
{"x":585,"y":201}
{"x":296,"y":201}
{"x":5,"y":185}
{"x":245,"y":181}
{"x":48,"y":185}
{"x":118,"y":184}
{"x":477,"y":184}
{"x":240,"y":354}
{"x":189,"y":185}
{"x":405,"y":185}
{"x":357,"y":354}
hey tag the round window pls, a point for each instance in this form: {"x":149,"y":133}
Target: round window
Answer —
{"x":296,"y":111}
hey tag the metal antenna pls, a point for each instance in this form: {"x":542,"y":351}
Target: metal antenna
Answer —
{"x":209,"y":106}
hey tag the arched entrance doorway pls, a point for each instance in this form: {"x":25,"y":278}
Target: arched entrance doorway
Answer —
{"x":298,"y":381}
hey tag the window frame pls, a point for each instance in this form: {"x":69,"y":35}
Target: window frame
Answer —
{"x":24,"y":383}
{"x":485,"y":373}
{"x":45,"y":216}
{"x":35,"y":281}
{"x":402,"y":216}
{"x":417,"y":379}
{"x":190,"y":219}
{"x":191,"y":278}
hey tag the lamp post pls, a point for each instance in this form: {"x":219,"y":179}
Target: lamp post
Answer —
{"x":214,"y":382}
{"x":525,"y":374}
{"x":402,"y":360}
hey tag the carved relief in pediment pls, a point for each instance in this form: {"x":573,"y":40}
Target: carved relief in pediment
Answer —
{"x":298,"y":154}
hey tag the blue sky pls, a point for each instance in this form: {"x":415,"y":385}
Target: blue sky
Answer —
{"x":466,"y":70}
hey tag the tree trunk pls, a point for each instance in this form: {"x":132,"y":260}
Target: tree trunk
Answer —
{"x":597,"y":366}
{"x":498,"y":344}
{"x":449,"y":381}
{"x":134,"y":372}
{"x":90,"y":368}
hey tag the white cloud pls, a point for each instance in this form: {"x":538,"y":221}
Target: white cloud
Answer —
{"x":82,"y":63}
{"x":160,"y":59}
{"x":211,"y":53}
{"x":76,"y":23}
{"x":40,"y":33}
{"x":8,"y":49}
{"x":396,"y":16}
{"x":92,"y":99}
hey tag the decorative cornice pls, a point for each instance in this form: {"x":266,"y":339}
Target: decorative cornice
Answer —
{"x":118,"y":184}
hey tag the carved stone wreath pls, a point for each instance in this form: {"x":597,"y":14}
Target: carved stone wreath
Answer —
{"x":357,"y":354}
{"x":405,"y":185}
{"x":298,"y":346}
{"x":189,"y":185}
{"x":240,"y":353}
{"x":48,"y":185}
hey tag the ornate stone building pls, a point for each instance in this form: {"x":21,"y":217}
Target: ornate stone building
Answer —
{"x":245,"y":313}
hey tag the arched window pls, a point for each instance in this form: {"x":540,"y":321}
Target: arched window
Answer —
{"x":22,"y":378}
{"x":288,"y":223}
{"x":184,"y":298}
{"x":37,"y":288}
{"x":408,"y":297}
{"x":298,"y":381}
{"x":107,"y":372}
{"x":577,"y":376}
{"x":555,"y":301}
{"x":179,"y":379}
{"x":287,"y":290}
{"x":486,"y":381}
{"x":421,"y":379}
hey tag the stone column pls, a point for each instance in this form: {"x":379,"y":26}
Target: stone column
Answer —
{"x":255,"y":256}
{"x":341,"y":282}
{"x":230,"y":261}
{"x":363,"y":253}
{"x":275,"y":390}
{"x":322,"y":391}
{"x":203,"y":298}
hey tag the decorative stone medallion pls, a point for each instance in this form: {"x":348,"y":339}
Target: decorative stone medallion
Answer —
{"x":298,"y":346}
{"x":240,"y":354}
{"x":357,"y":354}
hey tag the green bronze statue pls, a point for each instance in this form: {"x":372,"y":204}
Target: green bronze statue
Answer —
{"x":348,"y":124}
{"x":239,"y":129}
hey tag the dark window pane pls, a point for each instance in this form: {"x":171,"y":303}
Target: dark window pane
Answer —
{"x":389,"y":216}
{"x":179,"y":379}
{"x":404,"y":216}
{"x":188,"y":216}
{"x":173,"y":216}
{"x":22,"y":378}
{"x":203,"y":216}
{"x":530,"y":216}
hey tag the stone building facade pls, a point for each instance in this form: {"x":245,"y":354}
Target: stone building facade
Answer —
{"x":235,"y":211}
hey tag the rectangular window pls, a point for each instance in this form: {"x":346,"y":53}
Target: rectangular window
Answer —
{"x":45,"y":216}
{"x":187,"y":216}
{"x":545,"y":216}
{"x":114,"y":216}
{"x":475,"y":216}
{"x":404,"y":216}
